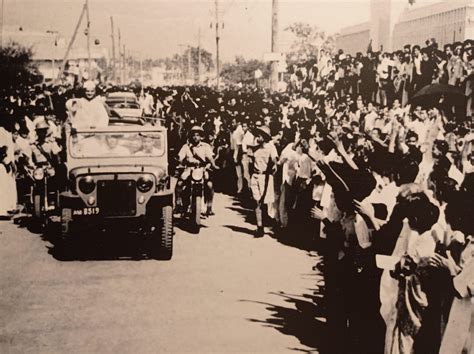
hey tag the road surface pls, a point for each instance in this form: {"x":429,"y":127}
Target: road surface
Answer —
{"x":223,"y":291}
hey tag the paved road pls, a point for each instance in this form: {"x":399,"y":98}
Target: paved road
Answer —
{"x":223,"y":291}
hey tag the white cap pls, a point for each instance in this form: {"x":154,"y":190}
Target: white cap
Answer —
{"x":89,"y":85}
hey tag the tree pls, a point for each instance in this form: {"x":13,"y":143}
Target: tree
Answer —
{"x":16,"y":68}
{"x":189,"y":69}
{"x":242,"y":70}
{"x":308,"y":42}
{"x":207,"y":62}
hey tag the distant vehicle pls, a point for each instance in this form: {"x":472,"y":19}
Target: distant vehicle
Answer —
{"x":118,"y":180}
{"x":125,"y":104}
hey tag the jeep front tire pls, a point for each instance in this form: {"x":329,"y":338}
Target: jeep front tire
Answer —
{"x":162,"y":237}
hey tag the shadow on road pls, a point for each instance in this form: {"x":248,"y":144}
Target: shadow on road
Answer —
{"x":247,"y":213}
{"x":303,"y":318}
{"x":301,"y":236}
{"x":186,"y":225}
{"x":97,"y":247}
{"x":89,"y":245}
{"x":240,"y":229}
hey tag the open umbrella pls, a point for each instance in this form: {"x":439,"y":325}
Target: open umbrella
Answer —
{"x":431,"y":95}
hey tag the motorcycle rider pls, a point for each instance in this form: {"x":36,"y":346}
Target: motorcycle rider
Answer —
{"x":195,"y":153}
{"x":45,"y":149}
{"x":45,"y":153}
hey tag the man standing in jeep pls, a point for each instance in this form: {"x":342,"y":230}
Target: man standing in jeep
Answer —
{"x":90,"y":111}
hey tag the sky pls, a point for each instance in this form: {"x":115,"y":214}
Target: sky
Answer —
{"x":159,"y":28}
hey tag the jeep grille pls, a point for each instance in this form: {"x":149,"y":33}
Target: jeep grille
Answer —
{"x":117,"y":197}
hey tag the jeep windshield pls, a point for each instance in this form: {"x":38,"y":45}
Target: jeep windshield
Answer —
{"x":116,"y":144}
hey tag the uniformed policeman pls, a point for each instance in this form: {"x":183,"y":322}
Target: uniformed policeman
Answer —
{"x":196,"y":153}
{"x":261,"y":183}
{"x":45,"y":149}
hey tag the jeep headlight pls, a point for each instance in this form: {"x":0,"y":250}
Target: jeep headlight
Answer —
{"x":38,"y":174}
{"x":86,"y":184}
{"x":145,"y":183}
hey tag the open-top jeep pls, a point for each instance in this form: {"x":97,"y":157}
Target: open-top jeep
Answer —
{"x":118,"y":180}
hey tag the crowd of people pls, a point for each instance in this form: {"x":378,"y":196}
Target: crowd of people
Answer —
{"x":381,"y":77}
{"x":347,"y":158}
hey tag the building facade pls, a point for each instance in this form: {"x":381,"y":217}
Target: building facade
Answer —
{"x":378,"y":29}
{"x":381,"y":24}
{"x":48,"y":51}
{"x":448,"y":21}
{"x":390,"y":29}
{"x":354,"y":39}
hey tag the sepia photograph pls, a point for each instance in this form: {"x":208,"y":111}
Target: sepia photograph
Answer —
{"x":237,"y":176}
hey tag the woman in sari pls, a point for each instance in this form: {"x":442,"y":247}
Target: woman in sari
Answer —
{"x":404,"y":294}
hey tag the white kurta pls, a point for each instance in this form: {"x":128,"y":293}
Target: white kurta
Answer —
{"x":88,"y":114}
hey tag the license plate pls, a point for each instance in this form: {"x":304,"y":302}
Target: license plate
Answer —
{"x":86,"y":211}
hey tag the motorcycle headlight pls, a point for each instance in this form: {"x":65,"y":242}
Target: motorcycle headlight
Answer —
{"x":38,"y":174}
{"x":197,"y":174}
{"x":145,"y":183}
{"x":86,"y":185}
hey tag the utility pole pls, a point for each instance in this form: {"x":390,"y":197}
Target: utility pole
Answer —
{"x":217,"y":44}
{"x":113,"y":47}
{"x":120,"y":62}
{"x":181,"y":63}
{"x":199,"y":57}
{"x":124,"y":54}
{"x":1,"y":25}
{"x":141,"y":72}
{"x":89,"y":60}
{"x":190,"y":73}
{"x":53,"y":60}
{"x":71,"y":42}
{"x":274,"y":67}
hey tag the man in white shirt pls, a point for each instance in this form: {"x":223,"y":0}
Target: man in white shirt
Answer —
{"x":289,"y":162}
{"x":264,"y":157}
{"x":147,"y":103}
{"x":420,"y":124}
{"x":247,"y":142}
{"x":236,"y":143}
{"x":90,"y":111}
{"x":370,"y":118}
